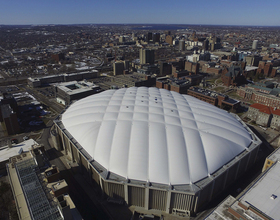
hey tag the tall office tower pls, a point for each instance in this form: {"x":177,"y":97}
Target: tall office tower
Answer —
{"x":122,"y":39}
{"x":214,"y":43}
{"x":156,"y":37}
{"x":206,"y":45}
{"x":149,"y":36}
{"x":182,"y":45}
{"x":126,"y":65}
{"x":118,"y":68}
{"x":147,"y":56}
{"x":255,"y":44}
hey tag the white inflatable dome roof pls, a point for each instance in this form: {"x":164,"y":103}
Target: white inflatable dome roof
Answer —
{"x":155,"y":135}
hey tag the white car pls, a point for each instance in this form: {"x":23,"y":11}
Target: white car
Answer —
{"x":25,"y":138}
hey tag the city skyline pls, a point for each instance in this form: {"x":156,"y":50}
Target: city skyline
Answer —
{"x":202,"y":12}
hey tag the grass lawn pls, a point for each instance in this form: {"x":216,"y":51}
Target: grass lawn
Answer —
{"x":212,"y":81}
{"x":233,"y":95}
{"x":219,"y":89}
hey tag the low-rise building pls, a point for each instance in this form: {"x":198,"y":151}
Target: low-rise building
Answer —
{"x":35,"y":196}
{"x":66,"y":92}
{"x":259,"y":94}
{"x":263,"y":115}
{"x":271,"y":159}
{"x":37,"y":82}
{"x":174,"y":84}
{"x":259,"y":201}
{"x":149,"y":70}
{"x":214,"y":98}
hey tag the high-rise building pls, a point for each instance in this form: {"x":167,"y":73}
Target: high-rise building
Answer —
{"x":147,"y":56}
{"x":126,"y":65}
{"x":182,"y":45}
{"x":214,"y":43}
{"x":206,"y":45}
{"x":169,"y":39}
{"x":255,"y":44}
{"x":122,"y":39}
{"x":156,"y":37}
{"x":149,"y":36}
{"x":118,"y":68}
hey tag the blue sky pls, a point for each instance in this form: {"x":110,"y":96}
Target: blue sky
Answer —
{"x":221,"y":12}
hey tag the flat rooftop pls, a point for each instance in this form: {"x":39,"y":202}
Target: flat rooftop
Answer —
{"x":75,"y":87}
{"x":6,"y":152}
{"x":264,"y":194}
{"x":249,"y":68}
{"x":59,"y":185}
{"x":205,"y":92}
{"x":32,"y":201}
{"x":220,"y":212}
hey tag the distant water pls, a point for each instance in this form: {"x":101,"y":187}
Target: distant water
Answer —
{"x":160,"y":27}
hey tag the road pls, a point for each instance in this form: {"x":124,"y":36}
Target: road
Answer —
{"x":55,"y":106}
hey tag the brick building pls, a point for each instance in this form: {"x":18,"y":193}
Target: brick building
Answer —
{"x":165,"y":68}
{"x":219,"y":100}
{"x":169,"y":39}
{"x":211,"y":70}
{"x":262,"y":95}
{"x":233,"y":76}
{"x":171,"y":84}
{"x":192,"y":67}
{"x":178,"y":64}
{"x":179,"y":74}
{"x":58,"y":57}
{"x":268,"y":67}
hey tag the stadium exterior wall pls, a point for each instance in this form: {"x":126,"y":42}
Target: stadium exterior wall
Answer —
{"x":183,"y":200}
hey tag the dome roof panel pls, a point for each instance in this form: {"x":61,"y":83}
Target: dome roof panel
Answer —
{"x":169,"y":138}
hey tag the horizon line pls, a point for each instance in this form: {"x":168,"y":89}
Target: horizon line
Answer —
{"x":244,"y":25}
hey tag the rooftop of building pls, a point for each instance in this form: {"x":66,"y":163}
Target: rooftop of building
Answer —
{"x":272,"y":91}
{"x":260,"y":201}
{"x":60,"y":75}
{"x":250,"y":68}
{"x":233,"y":71}
{"x":15,"y":149}
{"x":266,"y":109}
{"x":206,"y":92}
{"x":275,"y":155}
{"x":75,"y":87}
{"x":264,"y":194}
{"x":175,"y":81}
{"x":32,"y":201}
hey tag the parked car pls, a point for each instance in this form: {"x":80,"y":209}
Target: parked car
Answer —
{"x":14,"y":141}
{"x":25,"y":138}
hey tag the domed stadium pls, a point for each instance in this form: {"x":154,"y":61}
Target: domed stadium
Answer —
{"x":156,"y":149}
